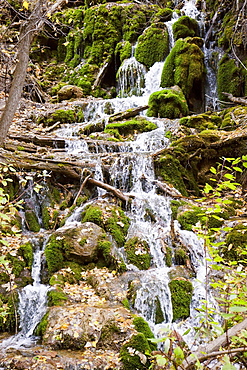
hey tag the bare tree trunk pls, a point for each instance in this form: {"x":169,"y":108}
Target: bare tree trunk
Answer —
{"x":27,"y":33}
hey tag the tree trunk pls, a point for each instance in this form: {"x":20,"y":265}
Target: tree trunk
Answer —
{"x":27,"y":33}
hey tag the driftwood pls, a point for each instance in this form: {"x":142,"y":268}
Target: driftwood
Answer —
{"x":54,"y":142}
{"x":110,"y":188}
{"x":127,"y":114}
{"x":238,"y":100}
{"x":203,"y":353}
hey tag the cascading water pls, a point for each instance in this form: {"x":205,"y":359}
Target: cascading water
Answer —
{"x":32,"y":303}
{"x":132,"y":171}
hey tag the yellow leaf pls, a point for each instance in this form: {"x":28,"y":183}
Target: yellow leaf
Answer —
{"x":76,"y":335}
{"x":25,"y":4}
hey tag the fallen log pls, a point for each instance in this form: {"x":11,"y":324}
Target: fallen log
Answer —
{"x":127,"y":114}
{"x":109,"y":188}
{"x":237,"y":100}
{"x":21,"y":161}
{"x":101,"y":75}
{"x":203,"y":353}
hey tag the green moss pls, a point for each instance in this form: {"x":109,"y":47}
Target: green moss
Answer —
{"x":181,"y":256}
{"x":185,"y":27}
{"x":184,"y":67}
{"x":57,"y":279}
{"x":137,"y":125}
{"x":125,"y":303}
{"x":54,"y":254}
{"x":132,"y":361}
{"x":138,"y":253}
{"x":114,"y":221}
{"x":26,"y":251}
{"x":171,"y":171}
{"x":181,"y":295}
{"x":159,"y":316}
{"x":202,"y":122}
{"x":175,"y":204}
{"x":229,"y":78}
{"x":189,"y":218}
{"x":93,"y":214}
{"x":56,"y":297}
{"x":124,"y":50}
{"x":153,"y":45}
{"x":42,"y":326}
{"x":236,"y":245}
{"x":168,"y":256}
{"x":32,"y":221}
{"x":104,"y":248}
{"x":63,"y":116}
{"x":142,"y":326}
{"x":46,"y":218}
{"x":168,"y":103}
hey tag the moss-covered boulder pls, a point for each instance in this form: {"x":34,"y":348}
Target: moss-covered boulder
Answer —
{"x":168,"y":103}
{"x":32,"y":221}
{"x":75,"y":242}
{"x":229,"y":78}
{"x":181,"y":295}
{"x":62,"y":116}
{"x":128,"y":128}
{"x":185,"y":27}
{"x":184,"y":67}
{"x":138,"y":253}
{"x":68,"y":92}
{"x":202,"y":122}
{"x":132,"y":353}
{"x":153,"y":45}
{"x":111,"y":218}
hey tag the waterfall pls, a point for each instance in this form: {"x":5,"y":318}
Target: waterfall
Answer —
{"x":32,"y":303}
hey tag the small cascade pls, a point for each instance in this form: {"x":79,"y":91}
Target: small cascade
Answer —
{"x":131,"y":80}
{"x":32,"y":304}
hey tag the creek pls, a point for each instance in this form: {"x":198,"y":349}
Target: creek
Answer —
{"x":130,"y":168}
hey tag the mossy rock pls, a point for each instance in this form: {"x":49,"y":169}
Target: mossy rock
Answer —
{"x":236,"y":245}
{"x":111,"y":218}
{"x":32,"y":221}
{"x":138,"y":253}
{"x":136,"y":125}
{"x":142,"y":327}
{"x":171,"y":171}
{"x":168,"y":103}
{"x":26,"y":252}
{"x":185,"y":27}
{"x":168,"y":256}
{"x":68,"y":92}
{"x":181,"y":256}
{"x":91,"y":128}
{"x":202,"y":122}
{"x":159,"y":316}
{"x":123,"y":50}
{"x":153,"y":45}
{"x":188,"y":218}
{"x":181,"y":295}
{"x":184,"y":66}
{"x":79,"y":244}
{"x":62,"y":116}
{"x":56,"y":298}
{"x":137,"y":344}
{"x":229,"y":78}
{"x":41,"y":327}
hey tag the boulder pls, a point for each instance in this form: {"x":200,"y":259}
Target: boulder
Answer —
{"x":69,"y":92}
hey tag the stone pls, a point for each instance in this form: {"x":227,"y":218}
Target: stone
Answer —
{"x":68,"y":92}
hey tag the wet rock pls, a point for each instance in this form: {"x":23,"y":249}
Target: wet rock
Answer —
{"x":85,"y":326}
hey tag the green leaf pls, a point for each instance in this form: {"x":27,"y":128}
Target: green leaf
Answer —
{"x":161,"y":361}
{"x":208,"y":188}
{"x":187,"y":331}
{"x":213,"y":170}
{"x":229,"y":176}
{"x":179,"y":355}
{"x":238,"y":169}
{"x":238,"y":309}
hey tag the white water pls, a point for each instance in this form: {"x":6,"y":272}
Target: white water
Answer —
{"x":32,"y":304}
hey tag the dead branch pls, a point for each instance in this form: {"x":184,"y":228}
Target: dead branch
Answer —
{"x":127,"y":114}
{"x":203,"y":353}
{"x":237,"y":100}
{"x":110,"y":188}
